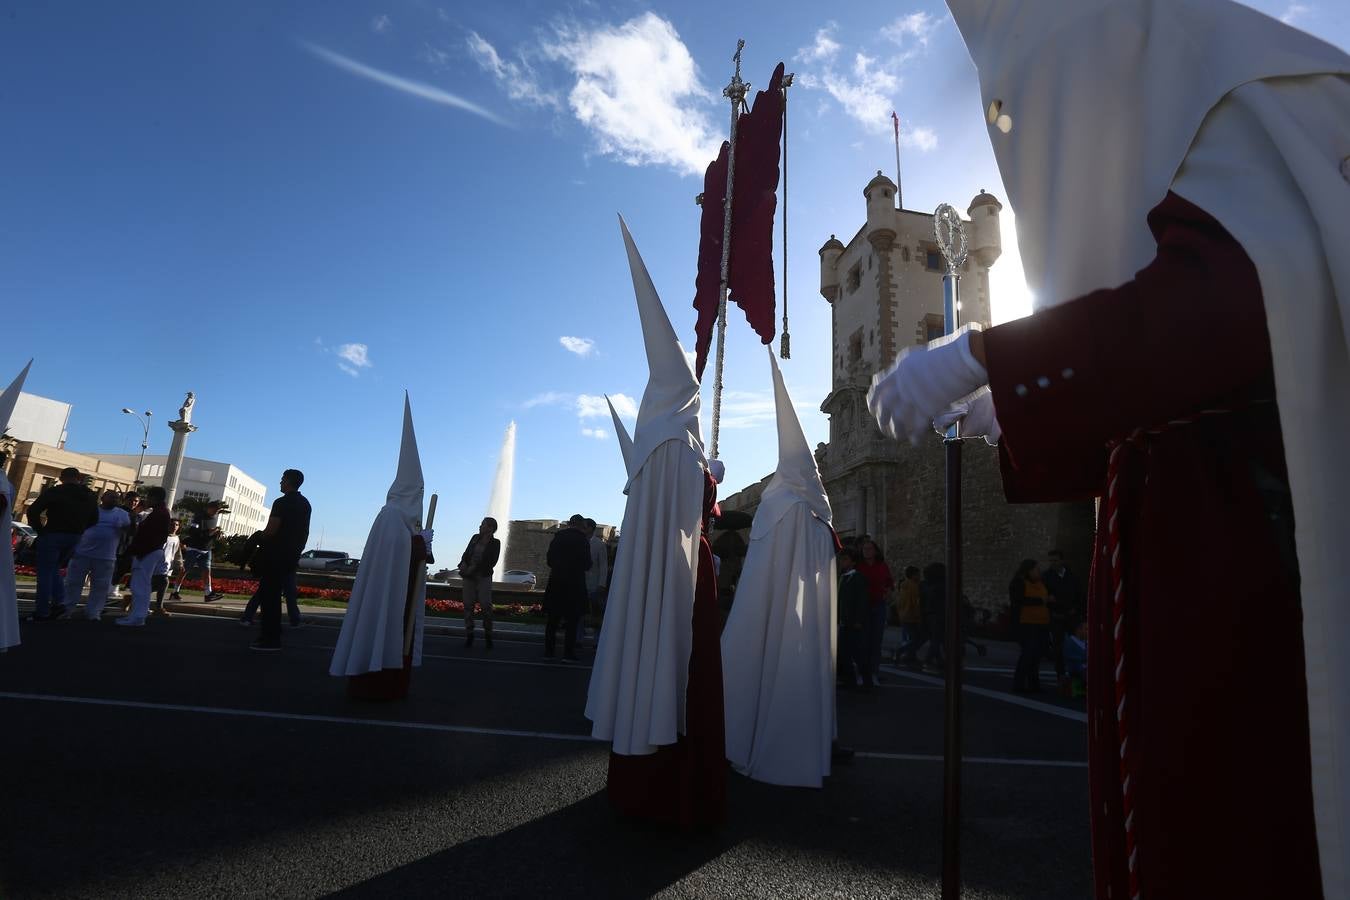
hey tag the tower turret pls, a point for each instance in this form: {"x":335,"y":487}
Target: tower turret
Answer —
{"x":986,"y":241}
{"x":829,"y":273}
{"x":880,"y":194}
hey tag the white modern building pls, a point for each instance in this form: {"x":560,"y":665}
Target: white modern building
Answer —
{"x":209,"y":480}
{"x":40,"y":420}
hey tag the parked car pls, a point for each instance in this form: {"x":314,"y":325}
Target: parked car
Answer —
{"x":517,"y":576}
{"x":320,"y":559}
{"x":23,"y":540}
{"x":343,"y":566}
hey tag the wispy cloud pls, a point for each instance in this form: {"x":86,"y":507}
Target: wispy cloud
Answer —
{"x":1294,"y":12}
{"x":549,"y":398}
{"x":578,"y":345}
{"x":591,"y":406}
{"x":638,"y":92}
{"x":824,"y":47}
{"x":434,"y":56}
{"x":516,"y":77}
{"x":914,"y":29}
{"x":599,"y":434}
{"x":352,"y":358}
{"x":381,"y":23}
{"x":869,"y":88}
{"x":399,"y":83}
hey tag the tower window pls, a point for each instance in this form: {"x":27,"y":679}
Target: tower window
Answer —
{"x":855,"y":277}
{"x":934,"y":325}
{"x":855,"y":347}
{"x":933,"y":261}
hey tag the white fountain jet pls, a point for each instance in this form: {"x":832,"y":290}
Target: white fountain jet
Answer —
{"x":499,"y":502}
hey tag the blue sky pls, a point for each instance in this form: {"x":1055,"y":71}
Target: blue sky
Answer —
{"x":300,"y":211}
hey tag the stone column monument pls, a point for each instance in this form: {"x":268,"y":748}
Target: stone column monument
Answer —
{"x":182,"y":427}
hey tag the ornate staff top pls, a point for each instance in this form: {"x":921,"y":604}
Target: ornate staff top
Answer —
{"x":950,"y":233}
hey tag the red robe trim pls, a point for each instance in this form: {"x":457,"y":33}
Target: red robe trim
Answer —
{"x":685,"y":783}
{"x":1216,"y":698}
{"x":393,"y":684}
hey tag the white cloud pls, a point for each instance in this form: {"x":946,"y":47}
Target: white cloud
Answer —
{"x":548,"y":398}
{"x":915,"y":28}
{"x":920,"y":137}
{"x":823,"y":47}
{"x":434,"y":56}
{"x":866,"y":96}
{"x":591,"y":406}
{"x":353,"y":358}
{"x":578,"y":345}
{"x":637,"y":90}
{"x":398,"y":83}
{"x":381,"y":23}
{"x":599,"y":434}
{"x":516,"y":77}
{"x":1294,"y":12}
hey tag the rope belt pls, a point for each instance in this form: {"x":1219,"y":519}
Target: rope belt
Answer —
{"x":1136,"y":439}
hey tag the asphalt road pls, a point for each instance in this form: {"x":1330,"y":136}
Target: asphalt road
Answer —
{"x":170,"y":761}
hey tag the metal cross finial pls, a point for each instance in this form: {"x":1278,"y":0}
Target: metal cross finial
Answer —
{"x":736,"y":91}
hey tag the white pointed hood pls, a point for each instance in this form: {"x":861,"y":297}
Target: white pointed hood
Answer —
{"x":405,"y":494}
{"x":625,"y":440}
{"x":10,"y":398}
{"x":796,"y":480}
{"x":670,"y":403}
{"x":1103,"y":99}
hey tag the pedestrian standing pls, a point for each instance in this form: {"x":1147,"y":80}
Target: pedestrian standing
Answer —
{"x":909,"y":613}
{"x":475,"y":572}
{"x":1067,"y":606}
{"x":131,"y":505}
{"x":283,"y":540}
{"x":147,"y":556}
{"x":197,"y":546}
{"x":569,"y":559}
{"x":1031,"y":616}
{"x":60,"y":514}
{"x":879,"y":583}
{"x":597,"y":577}
{"x":95,"y":556}
{"x":170,"y":567}
{"x":854,"y":615}
{"x":933,"y":604}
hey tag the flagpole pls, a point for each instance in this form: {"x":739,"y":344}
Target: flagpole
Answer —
{"x":899,"y":203}
{"x":735,"y":92}
{"x":785,"y":344}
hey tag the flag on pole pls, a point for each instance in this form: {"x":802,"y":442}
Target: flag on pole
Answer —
{"x":754,"y":200}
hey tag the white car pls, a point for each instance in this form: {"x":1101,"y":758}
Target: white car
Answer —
{"x":517,"y":576}
{"x":320,"y":559}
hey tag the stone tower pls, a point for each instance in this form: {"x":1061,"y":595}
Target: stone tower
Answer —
{"x":884,"y":288}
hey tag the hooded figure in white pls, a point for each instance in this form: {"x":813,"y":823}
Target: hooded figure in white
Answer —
{"x":636,"y":699}
{"x":9,"y":601}
{"x":372,"y":636}
{"x":1096,"y":110}
{"x":778,"y":646}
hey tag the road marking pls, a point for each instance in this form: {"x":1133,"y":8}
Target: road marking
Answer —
{"x":300,"y":717}
{"x":461,"y":729}
{"x":998,"y":695}
{"x":977,"y":760}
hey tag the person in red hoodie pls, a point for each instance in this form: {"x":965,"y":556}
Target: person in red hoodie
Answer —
{"x":146,"y":552}
{"x":872,"y":566}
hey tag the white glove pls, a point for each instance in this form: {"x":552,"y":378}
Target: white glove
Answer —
{"x":427,"y":535}
{"x":976,"y":415}
{"x":923,"y":382}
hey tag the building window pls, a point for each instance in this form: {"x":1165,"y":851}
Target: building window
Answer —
{"x":855,"y":345}
{"x":904,"y":253}
{"x":933,"y":261}
{"x":855,"y":277}
{"x":934,"y":325}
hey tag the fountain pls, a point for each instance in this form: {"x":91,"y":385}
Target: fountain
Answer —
{"x":499,"y":502}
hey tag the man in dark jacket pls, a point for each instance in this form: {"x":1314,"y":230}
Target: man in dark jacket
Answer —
{"x":475,"y":571}
{"x":60,"y":515}
{"x":569,"y":559}
{"x":147,"y":553}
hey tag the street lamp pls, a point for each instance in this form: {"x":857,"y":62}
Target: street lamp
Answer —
{"x":145,"y":439}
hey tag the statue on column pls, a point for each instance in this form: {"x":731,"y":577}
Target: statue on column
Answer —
{"x":185,"y":411}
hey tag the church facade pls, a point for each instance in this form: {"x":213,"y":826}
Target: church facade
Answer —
{"x":884,"y":288}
